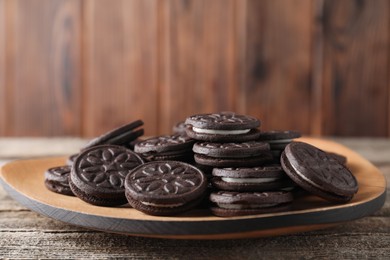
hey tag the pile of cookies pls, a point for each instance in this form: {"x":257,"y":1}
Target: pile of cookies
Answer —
{"x":222,"y":159}
{"x":245,"y":178}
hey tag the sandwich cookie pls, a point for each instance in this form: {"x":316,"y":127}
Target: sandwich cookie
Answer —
{"x":229,"y":204}
{"x":223,"y":127}
{"x":168,"y":147}
{"x":265,"y":178}
{"x":123,"y":135}
{"x":318,"y":172}
{"x":246,"y":154}
{"x":57,"y":180}
{"x":165,"y":187}
{"x":98,"y":174}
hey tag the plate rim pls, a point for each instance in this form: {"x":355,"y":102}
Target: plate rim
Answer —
{"x":255,"y":225}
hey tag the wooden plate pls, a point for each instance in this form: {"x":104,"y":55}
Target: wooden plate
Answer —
{"x":24,"y":181}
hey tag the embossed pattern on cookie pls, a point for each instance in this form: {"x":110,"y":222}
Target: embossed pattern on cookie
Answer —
{"x":107,"y":168}
{"x":164,"y":143}
{"x":165,"y":187}
{"x":318,"y":172}
{"x":98,"y":174}
{"x":224,"y":120}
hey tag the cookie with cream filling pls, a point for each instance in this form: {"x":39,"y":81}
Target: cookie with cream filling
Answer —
{"x":223,"y":127}
{"x":262,"y":178}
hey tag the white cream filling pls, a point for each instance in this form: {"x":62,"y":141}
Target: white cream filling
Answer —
{"x":219,"y":132}
{"x":161,"y":205}
{"x":247,"y":206}
{"x":248,"y":180}
{"x":281,"y":141}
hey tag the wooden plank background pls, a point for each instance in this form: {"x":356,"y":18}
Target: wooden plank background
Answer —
{"x":79,"y":68}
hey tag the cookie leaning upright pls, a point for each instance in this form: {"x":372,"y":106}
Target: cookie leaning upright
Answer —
{"x":122,"y":135}
{"x":318,"y":172}
{"x":222,"y":127}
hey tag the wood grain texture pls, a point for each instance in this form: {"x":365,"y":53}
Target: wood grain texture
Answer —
{"x":120,"y":83}
{"x":200,"y":60}
{"x":43,"y":77}
{"x":277,"y":63}
{"x":25,"y":234}
{"x":71,"y":67}
{"x":356,"y":60}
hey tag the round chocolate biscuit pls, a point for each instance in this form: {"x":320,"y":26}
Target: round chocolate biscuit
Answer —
{"x":265,"y":178}
{"x":231,"y":150}
{"x":119,"y":136}
{"x":98,"y":174}
{"x":57,"y":180}
{"x":318,"y":172}
{"x":223,"y":127}
{"x":223,"y":121}
{"x":258,"y":160}
{"x":165,"y":187}
{"x":164,"y":143}
{"x":230,"y":204}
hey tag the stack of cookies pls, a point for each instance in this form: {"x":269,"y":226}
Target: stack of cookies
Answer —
{"x":228,"y":143}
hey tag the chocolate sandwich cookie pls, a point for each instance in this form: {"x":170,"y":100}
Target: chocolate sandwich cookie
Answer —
{"x":232,"y":154}
{"x":265,"y":178}
{"x":168,"y":147}
{"x":98,"y":174}
{"x":229,"y":204}
{"x":223,"y":127}
{"x":123,"y":135}
{"x":318,"y":172}
{"x":57,"y":180}
{"x":165,"y":187}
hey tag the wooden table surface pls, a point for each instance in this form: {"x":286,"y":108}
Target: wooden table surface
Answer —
{"x":25,"y":234}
